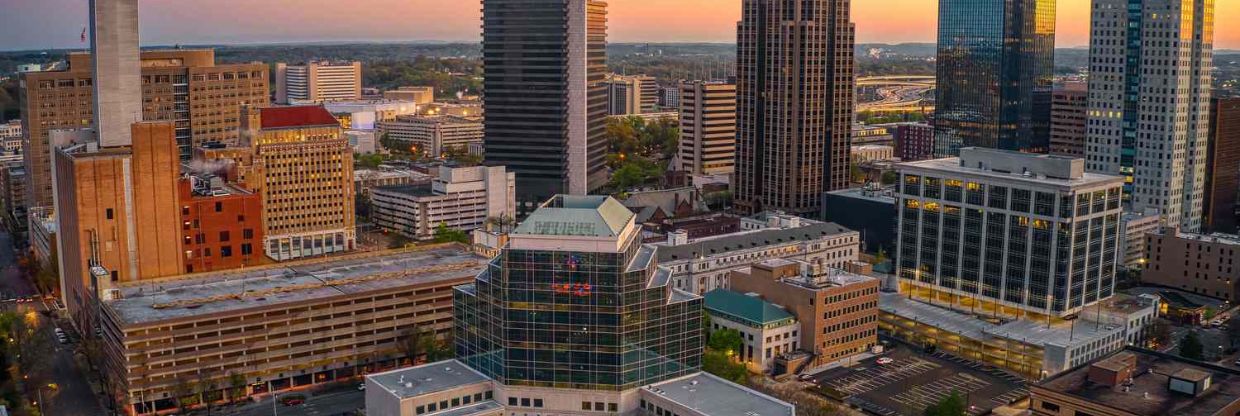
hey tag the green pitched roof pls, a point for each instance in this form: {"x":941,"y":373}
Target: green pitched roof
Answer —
{"x":750,"y":308}
{"x":570,"y":215}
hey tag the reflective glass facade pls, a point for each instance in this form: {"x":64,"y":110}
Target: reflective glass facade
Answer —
{"x":582,"y":320}
{"x":995,"y":69}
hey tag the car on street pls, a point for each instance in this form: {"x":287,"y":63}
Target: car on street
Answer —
{"x":885,"y":361}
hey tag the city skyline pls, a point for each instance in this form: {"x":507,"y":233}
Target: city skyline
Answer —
{"x":58,"y":23}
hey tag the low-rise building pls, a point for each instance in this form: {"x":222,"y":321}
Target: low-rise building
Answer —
{"x":367,"y":114}
{"x":703,"y":264}
{"x":1138,"y":382}
{"x":1033,"y":347}
{"x":1207,"y":265}
{"x":42,"y":229}
{"x":461,"y":198}
{"x":838,"y":310}
{"x":767,"y":330}
{"x":11,"y":136}
{"x":221,"y":225}
{"x":13,"y":196}
{"x":276,"y":327}
{"x":420,"y":95}
{"x":869,"y":152}
{"x":433,"y":135}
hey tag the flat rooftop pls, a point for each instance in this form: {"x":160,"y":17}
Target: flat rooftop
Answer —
{"x":1151,"y":377}
{"x":710,"y":395}
{"x":264,"y":287}
{"x":1030,"y":332}
{"x":427,"y":378}
{"x":999,"y":164}
{"x":721,"y":244}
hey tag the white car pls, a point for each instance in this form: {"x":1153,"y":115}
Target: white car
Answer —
{"x":885,"y":361}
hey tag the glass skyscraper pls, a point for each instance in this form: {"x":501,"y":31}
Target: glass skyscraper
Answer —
{"x":575,"y":301}
{"x":995,"y":68}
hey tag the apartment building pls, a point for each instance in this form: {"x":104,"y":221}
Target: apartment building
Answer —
{"x":1009,"y":232}
{"x":461,"y":198}
{"x":318,"y":82}
{"x":303,"y":168}
{"x":183,"y":86}
{"x":273,"y":328}
{"x":703,"y":264}
{"x":913,"y":141}
{"x":221,"y":223}
{"x":838,"y":310}
{"x":707,"y":128}
{"x":433,"y":135}
{"x":1207,"y":265}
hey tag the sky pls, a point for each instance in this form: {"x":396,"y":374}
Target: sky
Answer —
{"x":38,"y":24}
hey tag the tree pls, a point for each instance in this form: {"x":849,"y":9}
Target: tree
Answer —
{"x":720,"y":364}
{"x":727,"y":341}
{"x":206,"y":391}
{"x":419,"y":344}
{"x":855,"y":172}
{"x":236,"y":386}
{"x":183,"y":394}
{"x":881,"y":257}
{"x":890,"y":177}
{"x":952,"y":405}
{"x":1191,"y":347}
{"x":443,"y":234}
{"x":461,"y":155}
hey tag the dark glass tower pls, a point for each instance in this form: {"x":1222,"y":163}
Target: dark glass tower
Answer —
{"x":544,"y":63}
{"x":794,"y":103}
{"x":575,"y":301}
{"x":996,"y":61}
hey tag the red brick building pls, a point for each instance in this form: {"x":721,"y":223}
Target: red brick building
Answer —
{"x":1223,"y":166}
{"x":221,"y":225}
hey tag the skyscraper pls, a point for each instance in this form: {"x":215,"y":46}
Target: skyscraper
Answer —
{"x":544,"y":64}
{"x":707,"y":127}
{"x":1223,"y":167}
{"x":1069,"y":109}
{"x":995,"y":67}
{"x":1149,"y":102}
{"x":794,"y":103}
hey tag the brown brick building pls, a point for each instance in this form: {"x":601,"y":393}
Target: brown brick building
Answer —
{"x":222,"y":225}
{"x":838,"y":310}
{"x":118,"y":205}
{"x":276,"y":327}
{"x":182,"y":86}
{"x":1204,"y":264}
{"x":1223,"y":167}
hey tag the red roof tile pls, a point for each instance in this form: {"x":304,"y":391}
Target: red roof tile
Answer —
{"x":309,"y":115}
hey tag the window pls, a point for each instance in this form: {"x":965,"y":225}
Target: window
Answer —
{"x":512,"y":401}
{"x":431,"y":407}
{"x":219,"y":206}
{"x":246,"y":249}
{"x":538,"y":403}
{"x":456,"y":401}
{"x":224,"y":236}
{"x":443,"y":404}
{"x":488,"y":395}
{"x":477,"y":397}
{"x":225,"y":251}
{"x":421,"y":410}
{"x":612,"y":407}
{"x":598,"y":406}
{"x":585,"y":406}
{"x":525,"y":402}
{"x":247,"y":233}
{"x":109,"y":213}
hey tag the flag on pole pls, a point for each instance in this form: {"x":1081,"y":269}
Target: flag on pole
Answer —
{"x":83,"y":34}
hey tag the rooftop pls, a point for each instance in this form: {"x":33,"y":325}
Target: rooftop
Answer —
{"x":298,"y":116}
{"x":1148,"y":393}
{"x":1024,"y":167}
{"x":582,"y":216}
{"x":407,"y":190}
{"x":721,"y":244}
{"x":750,"y":308}
{"x":711,"y":395}
{"x":427,"y":378}
{"x":1077,"y":332}
{"x":262,"y":287}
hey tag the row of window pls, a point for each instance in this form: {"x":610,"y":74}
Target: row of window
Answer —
{"x":461,"y":401}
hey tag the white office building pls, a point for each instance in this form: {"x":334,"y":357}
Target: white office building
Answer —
{"x":434,"y":135}
{"x":460,"y":198}
{"x":318,"y":82}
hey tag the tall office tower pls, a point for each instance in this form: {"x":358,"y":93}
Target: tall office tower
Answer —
{"x":1149,"y":89}
{"x":707,"y":128}
{"x":184,"y":86}
{"x":303,"y":168}
{"x":1008,"y":233}
{"x":1069,"y":110}
{"x":318,"y":82}
{"x":593,"y":314}
{"x":117,"y":211}
{"x":118,"y":92}
{"x":794,"y":103}
{"x":995,"y":66}
{"x":1222,"y":200}
{"x":544,"y":64}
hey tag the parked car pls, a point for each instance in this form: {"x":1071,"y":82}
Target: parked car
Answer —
{"x":885,"y":361}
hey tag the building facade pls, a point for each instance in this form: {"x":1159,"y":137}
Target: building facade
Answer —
{"x":995,"y":65}
{"x":273,"y":328}
{"x":13,"y":196}
{"x":222,"y":225}
{"x":420,"y":95}
{"x":767,"y":330}
{"x":552,"y":137}
{"x":1007,"y":232}
{"x":461,"y":198}
{"x":1136,"y":226}
{"x":433,"y":135}
{"x":707,"y":128}
{"x":795,"y":99}
{"x":914,"y":141}
{"x":368,"y":114}
{"x":632,"y":94}
{"x":318,"y":82}
{"x":702,"y":265}
{"x":303,"y":168}
{"x":183,"y":86}
{"x":11,"y":136}
{"x":1149,"y":118}
{"x":838,"y":311}
{"x":1203,"y":264}
{"x":1069,"y":112}
{"x":1222,"y":200}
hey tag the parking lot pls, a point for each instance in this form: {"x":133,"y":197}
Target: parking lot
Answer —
{"x":914,"y":381}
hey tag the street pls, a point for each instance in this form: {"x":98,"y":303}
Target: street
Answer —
{"x":324,"y":404}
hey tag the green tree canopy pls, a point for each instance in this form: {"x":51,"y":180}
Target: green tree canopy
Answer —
{"x":1191,"y":347}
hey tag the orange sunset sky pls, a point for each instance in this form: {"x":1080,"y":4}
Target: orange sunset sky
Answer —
{"x":28,"y":24}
